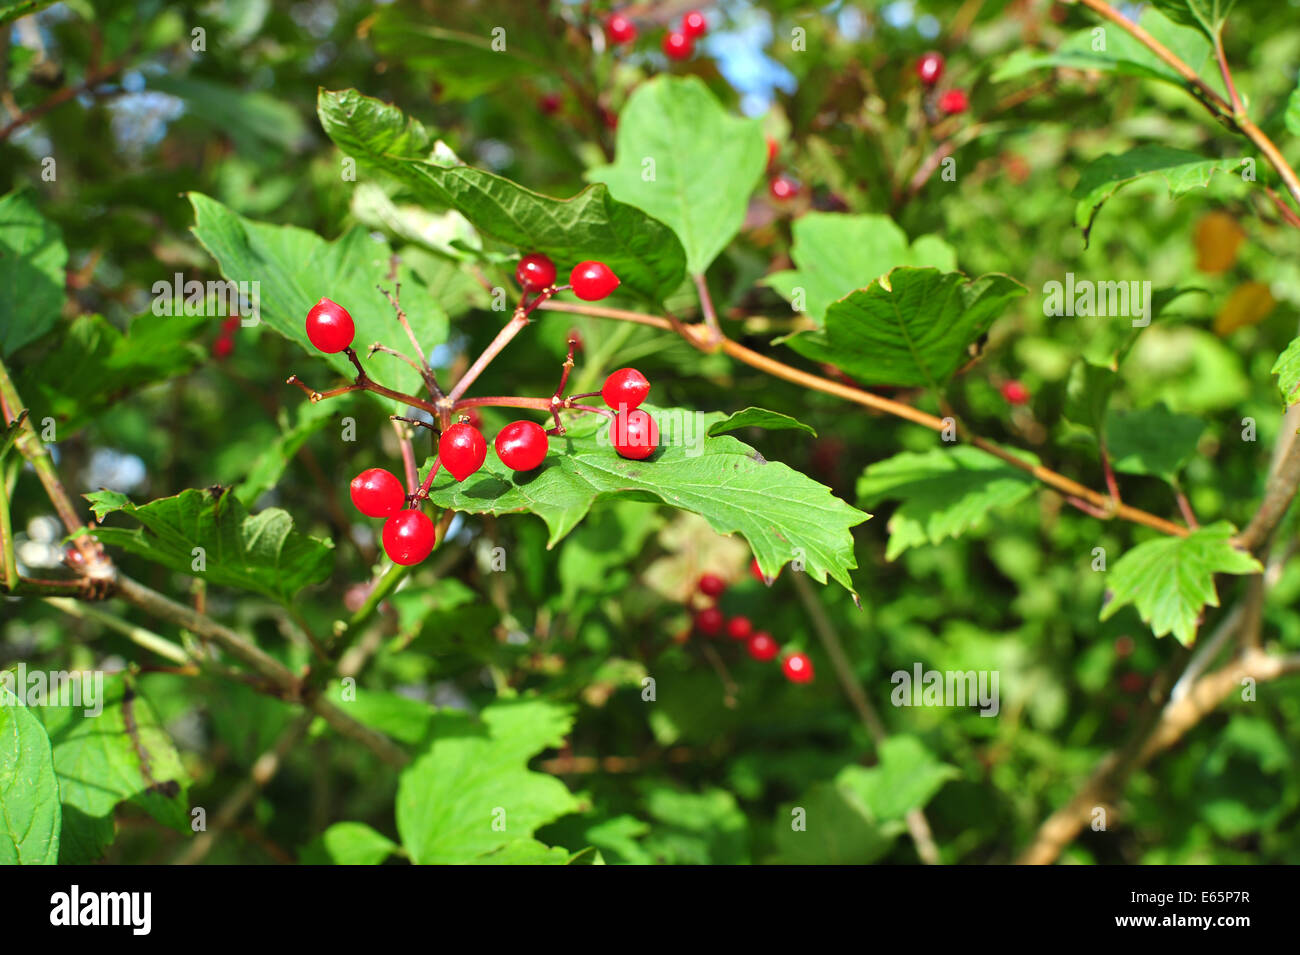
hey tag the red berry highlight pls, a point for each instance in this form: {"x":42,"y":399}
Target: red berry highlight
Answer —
{"x":929,"y":68}
{"x":462,"y":450}
{"x":620,"y":29}
{"x":762,"y":647}
{"x":522,"y":445}
{"x":711,"y":585}
{"x":694,"y":25}
{"x":797,"y":668}
{"x":953,"y":102}
{"x":773,"y":147}
{"x":1015,"y":392}
{"x":592,"y":281}
{"x":782,"y":189}
{"x":625,"y":389}
{"x":377,"y":493}
{"x":408,"y":537}
{"x":739,"y":628}
{"x":329,"y":326}
{"x":634,"y":434}
{"x":709,"y":621}
{"x":677,"y":46}
{"x":535,"y":272}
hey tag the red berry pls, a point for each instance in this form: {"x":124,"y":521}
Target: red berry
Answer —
{"x":739,"y":628}
{"x":522,"y":445}
{"x":625,"y":389}
{"x":222,"y":347}
{"x":709,"y":621}
{"x":1015,"y":392}
{"x":711,"y":585}
{"x":782,"y":188}
{"x":762,"y":647}
{"x":1132,"y":682}
{"x":408,"y":537}
{"x":678,"y":46}
{"x":535,"y":272}
{"x":694,"y":25}
{"x":377,"y":493}
{"x":620,"y":29}
{"x":230,"y":324}
{"x":550,"y":103}
{"x":634,"y":434}
{"x":329,"y":326}
{"x":929,"y":68}
{"x":461,"y":449}
{"x":797,"y":668}
{"x":592,"y":281}
{"x":953,"y":102}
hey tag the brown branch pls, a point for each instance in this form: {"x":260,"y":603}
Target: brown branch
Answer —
{"x":61,"y":96}
{"x":1279,"y":489}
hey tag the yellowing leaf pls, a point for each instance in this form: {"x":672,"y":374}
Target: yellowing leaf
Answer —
{"x":1218,"y":238}
{"x":1249,"y":304}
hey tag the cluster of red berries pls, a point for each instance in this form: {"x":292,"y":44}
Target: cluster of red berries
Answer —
{"x":711,"y":622}
{"x":930,"y":68}
{"x":677,"y":44}
{"x":225,"y":342}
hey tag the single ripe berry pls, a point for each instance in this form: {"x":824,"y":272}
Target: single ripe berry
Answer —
{"x":694,"y":25}
{"x":739,"y":628}
{"x":535,"y":272}
{"x":677,"y":46}
{"x":549,"y":104}
{"x":1015,"y":392}
{"x":782,"y":188}
{"x":222,"y":347}
{"x":625,"y":389}
{"x":797,"y":668}
{"x":408,"y":537}
{"x":711,"y":585}
{"x":462,"y":450}
{"x":329,"y":326}
{"x":929,"y":68}
{"x":522,"y":445}
{"x":620,"y":29}
{"x":762,"y":647}
{"x":953,"y":102}
{"x":634,"y":434}
{"x":592,"y":281}
{"x":709,"y":621}
{"x":377,"y":493}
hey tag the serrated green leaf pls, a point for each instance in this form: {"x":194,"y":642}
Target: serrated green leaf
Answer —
{"x":468,"y":796}
{"x":30,"y":817}
{"x":1206,"y":15}
{"x":835,"y":253}
{"x":837,"y":828}
{"x":1152,"y":441}
{"x":911,"y":327}
{"x":907,"y":777}
{"x":348,"y":843}
{"x":1169,"y":580}
{"x":525,"y":852}
{"x":944,"y":492}
{"x":258,"y":552}
{"x":779,"y":511}
{"x":642,"y":251}
{"x":759,"y":418}
{"x":684,"y":159}
{"x":32,"y":260}
{"x":1287,"y":369}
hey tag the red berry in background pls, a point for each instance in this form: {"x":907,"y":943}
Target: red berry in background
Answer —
{"x":550,"y":103}
{"x":953,"y":102}
{"x":634,"y":434}
{"x":1132,"y":682}
{"x":797,"y":668}
{"x":756,"y":571}
{"x":462,"y":450}
{"x":1124,"y":646}
{"x":677,"y":46}
{"x":694,"y":25}
{"x":739,"y":628}
{"x":230,"y":324}
{"x":762,"y":647}
{"x":709,"y":621}
{"x":711,"y":585}
{"x":329,"y":326}
{"x":475,"y":418}
{"x":782,"y":188}
{"x":522,"y":445}
{"x":222,"y":347}
{"x":620,"y":29}
{"x":1015,"y":392}
{"x":929,"y":68}
{"x":625,"y":389}
{"x":377,"y":493}
{"x":609,"y":117}
{"x":592,"y":281}
{"x":535,"y":272}
{"x":408,"y":537}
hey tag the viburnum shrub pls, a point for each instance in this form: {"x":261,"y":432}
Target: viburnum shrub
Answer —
{"x":627,"y":433}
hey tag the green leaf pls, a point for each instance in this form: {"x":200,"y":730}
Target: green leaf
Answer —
{"x":252,"y":120}
{"x":704,"y":828}
{"x":525,"y":852}
{"x":1206,"y":15}
{"x":944,"y":492}
{"x":837,"y":829}
{"x":258,"y":552}
{"x":296,"y":268}
{"x":907,"y":778}
{"x":348,"y":843}
{"x":1293,"y":112}
{"x":779,"y":511}
{"x":469,"y":795}
{"x":30,"y":816}
{"x":1088,"y":392}
{"x":643,"y":252}
{"x":682,"y":158}
{"x":1287,"y":369}
{"x":21,"y":8}
{"x":265,"y":471}
{"x":1152,"y":441}
{"x":1105,"y":176}
{"x":911,"y":327}
{"x":758,"y":418}
{"x":32,"y":260}
{"x":1170,"y":579}
{"x":835,"y":253}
